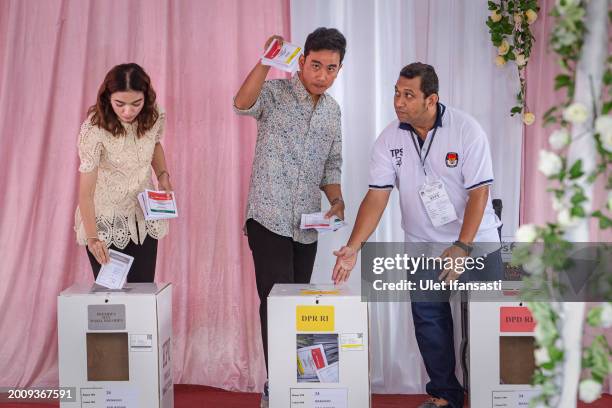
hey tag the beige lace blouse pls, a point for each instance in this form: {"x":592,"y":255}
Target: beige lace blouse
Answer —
{"x":124,"y":170}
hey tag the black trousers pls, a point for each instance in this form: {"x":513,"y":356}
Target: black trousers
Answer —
{"x":143,"y":267}
{"x":277,"y":259}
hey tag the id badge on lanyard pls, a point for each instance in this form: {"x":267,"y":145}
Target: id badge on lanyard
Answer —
{"x":438,"y":205}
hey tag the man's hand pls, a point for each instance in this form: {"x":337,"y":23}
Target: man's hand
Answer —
{"x":453,"y":252}
{"x":345,"y":262}
{"x":337,"y":209}
{"x":280,"y":39}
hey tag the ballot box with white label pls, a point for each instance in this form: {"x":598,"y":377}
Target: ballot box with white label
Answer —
{"x":318,"y":354}
{"x":502,"y":344}
{"x":115,"y":345}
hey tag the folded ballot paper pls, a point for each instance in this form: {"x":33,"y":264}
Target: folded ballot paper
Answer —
{"x":283,"y":57}
{"x":158,"y":205}
{"x":317,"y":358}
{"x":113,"y":274}
{"x":318,"y":222}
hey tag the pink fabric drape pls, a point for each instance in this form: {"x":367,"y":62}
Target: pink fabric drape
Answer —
{"x":53,"y":57}
{"x":541,"y":72}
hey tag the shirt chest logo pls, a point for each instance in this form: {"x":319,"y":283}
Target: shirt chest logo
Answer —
{"x":396,"y":155}
{"x":452,"y":159}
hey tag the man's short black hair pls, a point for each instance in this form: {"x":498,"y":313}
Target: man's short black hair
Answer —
{"x":324,"y":38}
{"x":427,"y":73}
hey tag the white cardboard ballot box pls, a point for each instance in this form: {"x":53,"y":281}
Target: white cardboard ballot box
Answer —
{"x":501,"y":344}
{"x":318,"y":347}
{"x":115,"y":346}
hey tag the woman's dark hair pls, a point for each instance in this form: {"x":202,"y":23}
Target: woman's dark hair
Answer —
{"x":427,"y":73}
{"x":121,"y":78}
{"x":325,"y":39}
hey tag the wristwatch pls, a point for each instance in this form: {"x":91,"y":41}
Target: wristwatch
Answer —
{"x":467,"y":248}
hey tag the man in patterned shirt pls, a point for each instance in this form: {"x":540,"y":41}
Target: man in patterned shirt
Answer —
{"x":298,"y":153}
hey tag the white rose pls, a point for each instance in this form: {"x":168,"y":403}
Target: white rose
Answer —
{"x":610,"y":200}
{"x":589,"y":390}
{"x":534,"y":265}
{"x":559,"y":139}
{"x":557,"y":204}
{"x":566,"y":220}
{"x":526,"y":233}
{"x":531,"y":15}
{"x":603,"y":126}
{"x":528,"y":118}
{"x":541,"y":356}
{"x":521,"y":60}
{"x":606,"y":315}
{"x":566,"y":37}
{"x":500,"y":61}
{"x":576,"y":113}
{"x":495,"y":16}
{"x":549,"y":164}
{"x":503,"y":48}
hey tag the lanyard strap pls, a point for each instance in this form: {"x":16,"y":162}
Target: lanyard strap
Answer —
{"x":418,"y":150}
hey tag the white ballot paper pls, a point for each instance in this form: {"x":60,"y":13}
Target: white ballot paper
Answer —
{"x":283,"y":57}
{"x":329,"y":374}
{"x":114,"y":274}
{"x":318,"y":222}
{"x":158,"y":205}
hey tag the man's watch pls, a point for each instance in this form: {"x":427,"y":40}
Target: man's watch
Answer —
{"x":467,"y":248}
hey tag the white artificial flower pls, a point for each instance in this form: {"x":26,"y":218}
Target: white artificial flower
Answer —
{"x":566,"y":219}
{"x":603,"y":126}
{"x":541,"y":356}
{"x":576,"y":113}
{"x":563,"y":5}
{"x":495,"y":16}
{"x":503,"y":48}
{"x":534,"y":265}
{"x":500,"y":61}
{"x":566,"y":37}
{"x":521,"y":60}
{"x":528,"y":118}
{"x":606,"y":315}
{"x":559,"y":139}
{"x":531,"y":15}
{"x":589,"y":390}
{"x":557,"y":204}
{"x":549,"y":163}
{"x":526,"y":233}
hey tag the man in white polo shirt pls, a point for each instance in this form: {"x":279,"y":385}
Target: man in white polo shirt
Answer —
{"x":439,"y":159}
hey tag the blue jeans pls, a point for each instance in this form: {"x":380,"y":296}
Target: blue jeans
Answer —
{"x":433,"y":325}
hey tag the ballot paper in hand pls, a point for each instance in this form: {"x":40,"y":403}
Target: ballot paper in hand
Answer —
{"x":113,"y":274}
{"x":284,"y":57}
{"x":158,"y":205}
{"x":318,"y":222}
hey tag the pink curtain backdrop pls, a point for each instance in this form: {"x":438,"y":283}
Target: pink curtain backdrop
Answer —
{"x":53,"y":57}
{"x":541,"y":72}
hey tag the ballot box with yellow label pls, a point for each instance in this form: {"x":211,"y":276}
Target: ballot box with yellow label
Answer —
{"x":115,"y":345}
{"x":318,"y":347}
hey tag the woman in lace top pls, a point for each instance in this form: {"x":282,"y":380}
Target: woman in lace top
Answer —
{"x":118,"y":144}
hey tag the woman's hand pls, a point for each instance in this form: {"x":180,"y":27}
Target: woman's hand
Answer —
{"x":98,"y":249}
{"x":163,"y":182}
